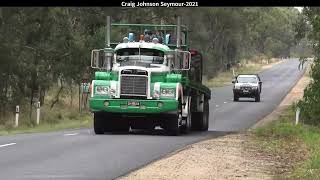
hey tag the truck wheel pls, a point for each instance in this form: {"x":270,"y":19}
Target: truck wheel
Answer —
{"x":98,"y":123}
{"x":172,"y":123}
{"x":200,"y":120}
{"x":205,"y":116}
{"x":235,"y":97}
{"x":257,"y":98}
{"x":187,"y":126}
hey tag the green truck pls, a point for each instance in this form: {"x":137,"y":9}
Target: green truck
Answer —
{"x":148,"y":78}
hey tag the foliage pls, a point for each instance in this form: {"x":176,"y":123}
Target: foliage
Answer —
{"x":310,"y":105}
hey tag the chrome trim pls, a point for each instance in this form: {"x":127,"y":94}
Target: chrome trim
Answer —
{"x":134,"y":75}
{"x":133,"y":95}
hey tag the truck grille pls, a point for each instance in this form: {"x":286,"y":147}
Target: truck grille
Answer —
{"x":134,"y":85}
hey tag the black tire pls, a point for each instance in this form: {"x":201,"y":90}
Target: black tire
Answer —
{"x":172,"y":127}
{"x":257,"y":98}
{"x":235,"y":97}
{"x":205,"y":116}
{"x":172,"y":123}
{"x":200,"y":120}
{"x":197,"y":121}
{"x":187,"y":127}
{"x":98,"y":123}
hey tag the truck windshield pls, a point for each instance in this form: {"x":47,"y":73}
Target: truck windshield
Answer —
{"x":247,"y":80}
{"x":151,"y":56}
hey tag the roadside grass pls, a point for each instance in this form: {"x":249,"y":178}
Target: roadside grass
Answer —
{"x":64,"y":115}
{"x":298,"y":146}
{"x":46,"y":127}
{"x":50,"y":120}
{"x":224,"y":78}
{"x":253,"y":65}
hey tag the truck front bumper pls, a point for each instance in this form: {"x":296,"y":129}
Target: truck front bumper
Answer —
{"x":121,"y":105}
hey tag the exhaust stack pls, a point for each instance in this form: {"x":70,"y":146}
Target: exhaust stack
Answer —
{"x":178,"y":31}
{"x":108,"y":29}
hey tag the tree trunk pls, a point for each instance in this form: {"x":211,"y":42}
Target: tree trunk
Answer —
{"x":71,"y":94}
{"x":58,"y":94}
{"x":79,"y":97}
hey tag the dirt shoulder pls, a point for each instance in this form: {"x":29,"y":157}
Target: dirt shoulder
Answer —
{"x":234,"y":156}
{"x":221,"y":158}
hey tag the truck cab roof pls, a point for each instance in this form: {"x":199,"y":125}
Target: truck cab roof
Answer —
{"x":146,"y":45}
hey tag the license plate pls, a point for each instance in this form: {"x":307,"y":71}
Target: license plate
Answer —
{"x":245,"y":91}
{"x":133,"y":103}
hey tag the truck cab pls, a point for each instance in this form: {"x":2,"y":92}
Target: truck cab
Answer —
{"x":142,"y":83}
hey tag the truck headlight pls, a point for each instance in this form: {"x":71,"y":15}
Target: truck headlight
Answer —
{"x":112,"y":92}
{"x":167,"y":92}
{"x":102,"y":90}
{"x":156,"y":94}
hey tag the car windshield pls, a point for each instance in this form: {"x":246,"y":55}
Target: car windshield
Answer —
{"x":247,"y":80}
{"x":151,"y":56}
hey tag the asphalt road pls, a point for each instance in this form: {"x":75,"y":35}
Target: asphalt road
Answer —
{"x":79,"y":154}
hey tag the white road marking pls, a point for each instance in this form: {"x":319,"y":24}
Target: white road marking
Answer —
{"x":71,"y":134}
{"x":10,"y":144}
{"x":224,"y":102}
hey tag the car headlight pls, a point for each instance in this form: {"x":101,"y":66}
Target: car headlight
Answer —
{"x":255,"y":87}
{"x":102,"y":90}
{"x":167,"y":92}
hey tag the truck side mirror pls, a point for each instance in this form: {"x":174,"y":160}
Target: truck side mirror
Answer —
{"x":95,"y":58}
{"x":182,"y":60}
{"x":186,"y":60}
{"x":102,"y":59}
{"x":260,"y":82}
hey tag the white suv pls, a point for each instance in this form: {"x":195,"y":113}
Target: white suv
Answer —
{"x":247,"y":85}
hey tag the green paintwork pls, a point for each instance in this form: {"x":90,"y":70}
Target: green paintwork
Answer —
{"x":158,"y":77}
{"x":100,"y":75}
{"x":195,"y":85}
{"x":120,"y":105}
{"x":174,"y":77}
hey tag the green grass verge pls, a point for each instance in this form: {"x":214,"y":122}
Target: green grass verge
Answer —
{"x":45,"y":127}
{"x":59,"y":118}
{"x":283,"y":137}
{"x":224,"y":78}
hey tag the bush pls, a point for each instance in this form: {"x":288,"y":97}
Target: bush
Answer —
{"x":310,"y":104}
{"x":73,"y":115}
{"x":53,"y":117}
{"x":9,"y":125}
